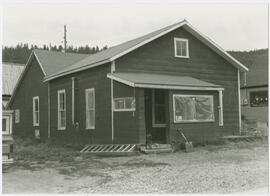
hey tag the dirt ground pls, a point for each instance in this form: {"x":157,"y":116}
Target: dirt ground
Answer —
{"x":240,"y":167}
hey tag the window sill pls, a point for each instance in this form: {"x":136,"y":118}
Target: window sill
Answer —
{"x":90,"y":128}
{"x":125,"y":110}
{"x":183,"y":57}
{"x":195,"y":121}
{"x":59,"y":129}
{"x":36,"y":125}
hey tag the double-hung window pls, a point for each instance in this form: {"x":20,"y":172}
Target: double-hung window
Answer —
{"x":90,"y":108}
{"x":61,"y":109}
{"x":36,"y":111}
{"x":181,"y":48}
{"x":193,"y":108}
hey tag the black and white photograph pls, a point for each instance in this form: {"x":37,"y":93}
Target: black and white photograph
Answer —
{"x":134,"y":97}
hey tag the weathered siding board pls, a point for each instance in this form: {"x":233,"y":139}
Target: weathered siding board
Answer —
{"x":125,"y":124}
{"x":203,"y":64}
{"x":31,"y":85}
{"x":92,"y":78}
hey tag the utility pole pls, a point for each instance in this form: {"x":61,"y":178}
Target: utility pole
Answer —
{"x":65,"y":38}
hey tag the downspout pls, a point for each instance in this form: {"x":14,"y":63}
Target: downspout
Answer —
{"x":49,"y":111}
{"x":239,"y":101}
{"x":112,"y":103}
{"x":73,"y":96}
{"x":220,"y":95}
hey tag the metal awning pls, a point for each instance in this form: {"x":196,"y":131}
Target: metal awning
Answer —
{"x":161,"y":81}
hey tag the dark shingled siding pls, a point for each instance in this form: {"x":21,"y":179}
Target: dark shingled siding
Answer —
{"x":31,"y":85}
{"x":203,"y":64}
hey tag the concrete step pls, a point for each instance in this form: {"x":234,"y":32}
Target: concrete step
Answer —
{"x":146,"y":150}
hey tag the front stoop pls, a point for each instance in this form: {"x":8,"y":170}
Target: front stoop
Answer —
{"x":156,"y":149}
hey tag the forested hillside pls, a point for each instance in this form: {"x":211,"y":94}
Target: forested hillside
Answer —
{"x":252,"y":58}
{"x":21,"y":52}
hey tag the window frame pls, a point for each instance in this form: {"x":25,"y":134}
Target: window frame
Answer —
{"x":125,"y":109}
{"x":35,"y":124}
{"x":58,"y":109}
{"x":87,"y":109}
{"x":175,"y":47}
{"x":251,"y":95}
{"x":193,"y":121}
{"x":17,"y":115}
{"x":8,"y":126}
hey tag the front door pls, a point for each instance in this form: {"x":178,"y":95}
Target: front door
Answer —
{"x":155,"y":114}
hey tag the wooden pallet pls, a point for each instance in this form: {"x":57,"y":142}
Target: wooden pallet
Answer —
{"x":110,"y":149}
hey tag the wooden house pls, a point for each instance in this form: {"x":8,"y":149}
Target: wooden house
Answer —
{"x":172,"y":78}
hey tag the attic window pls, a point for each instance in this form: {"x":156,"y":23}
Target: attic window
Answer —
{"x":181,"y":48}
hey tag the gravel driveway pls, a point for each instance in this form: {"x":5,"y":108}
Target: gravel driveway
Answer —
{"x":232,"y":168}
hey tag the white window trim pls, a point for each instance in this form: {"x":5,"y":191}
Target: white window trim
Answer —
{"x":154,"y":124}
{"x":125,"y":109}
{"x":8,"y":125}
{"x":58,"y":109}
{"x":35,"y":123}
{"x":86,"y":106}
{"x":193,"y":121}
{"x":175,"y":47}
{"x":220,"y":107}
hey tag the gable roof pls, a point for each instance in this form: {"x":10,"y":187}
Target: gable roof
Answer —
{"x":52,"y":61}
{"x":49,"y":62}
{"x":10,"y":75}
{"x":115,"y":52}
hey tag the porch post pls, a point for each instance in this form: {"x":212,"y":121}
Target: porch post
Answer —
{"x":112,"y":102}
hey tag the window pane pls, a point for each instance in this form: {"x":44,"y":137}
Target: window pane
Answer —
{"x":91,"y":118}
{"x":178,"y":48}
{"x":90,"y":100}
{"x":37,"y":117}
{"x":36,"y":104}
{"x":204,"y":108}
{"x":62,"y":119}
{"x":184,"y":48}
{"x":119,"y":103}
{"x":184,"y":108}
{"x":130,"y":103}
{"x":4,"y":125}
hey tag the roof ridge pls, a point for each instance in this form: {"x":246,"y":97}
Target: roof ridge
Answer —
{"x":59,"y":52}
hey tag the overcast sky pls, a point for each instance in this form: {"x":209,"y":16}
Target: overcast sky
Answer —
{"x":232,"y":26}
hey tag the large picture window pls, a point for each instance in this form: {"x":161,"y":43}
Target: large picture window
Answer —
{"x":90,"y":108}
{"x":193,"y":108}
{"x":61,"y":109}
{"x":35,"y":111}
{"x":258,"y":98}
{"x":124,"y":104}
